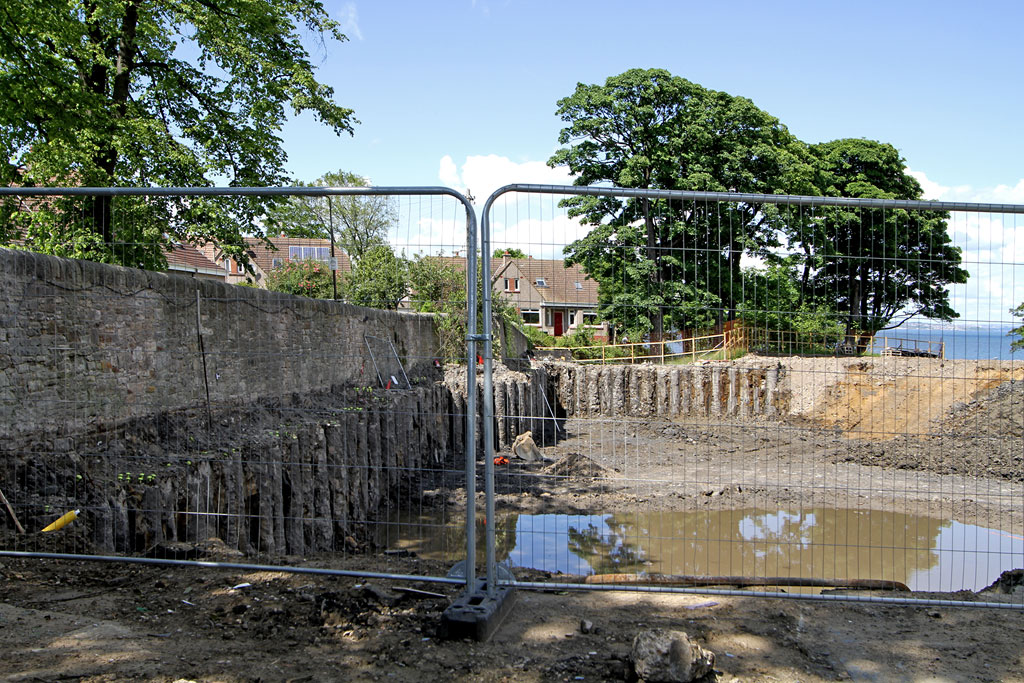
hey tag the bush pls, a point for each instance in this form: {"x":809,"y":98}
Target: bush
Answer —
{"x":537,"y":336}
{"x":309,"y":278}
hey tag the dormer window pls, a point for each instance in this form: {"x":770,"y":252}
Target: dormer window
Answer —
{"x":541,"y":282}
{"x":579,"y":285}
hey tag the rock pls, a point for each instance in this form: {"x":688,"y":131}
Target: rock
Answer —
{"x":663,"y":656}
{"x":586,"y":626}
{"x":526,"y":449}
{"x":381,"y":595}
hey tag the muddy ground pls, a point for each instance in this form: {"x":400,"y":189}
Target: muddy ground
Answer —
{"x":63,"y":620}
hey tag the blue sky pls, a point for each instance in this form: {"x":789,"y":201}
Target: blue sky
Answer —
{"x":463,"y":92}
{"x":467,"y":78}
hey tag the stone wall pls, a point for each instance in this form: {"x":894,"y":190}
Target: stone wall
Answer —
{"x":85,"y":344}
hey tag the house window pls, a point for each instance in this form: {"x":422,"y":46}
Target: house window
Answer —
{"x":549,"y":319}
{"x":572,"y":318}
{"x":277,"y":263}
{"x":531,"y":317}
{"x":590,"y":318}
{"x":541,"y":282}
{"x":239,"y":268}
{"x":305,"y":253}
{"x":511,"y":284}
{"x":579,"y":285}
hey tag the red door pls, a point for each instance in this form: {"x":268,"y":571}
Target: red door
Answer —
{"x":558,"y":323}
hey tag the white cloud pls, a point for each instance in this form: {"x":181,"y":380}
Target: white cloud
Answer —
{"x":1000,"y":194}
{"x":483,"y":174}
{"x":348,"y":18}
{"x":532,"y":223}
{"x":993,"y":249}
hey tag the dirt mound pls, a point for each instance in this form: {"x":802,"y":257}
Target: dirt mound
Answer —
{"x":1010,"y":582}
{"x":577,"y":465}
{"x":999,"y":413}
{"x":882,"y":399}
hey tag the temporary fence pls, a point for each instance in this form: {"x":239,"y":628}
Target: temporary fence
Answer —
{"x":164,"y":419}
{"x":194,"y":415}
{"x":682,"y":350}
{"x":849,"y":476}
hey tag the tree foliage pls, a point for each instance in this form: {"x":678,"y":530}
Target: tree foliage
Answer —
{"x":437,"y":286}
{"x":1017,"y":331}
{"x":649,"y":129}
{"x":133,"y":93}
{"x":378,"y":280}
{"x":679,"y":264}
{"x":357,"y":223}
{"x":875,"y":267}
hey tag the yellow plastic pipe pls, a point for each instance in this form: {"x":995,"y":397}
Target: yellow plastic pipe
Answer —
{"x":62,"y":521}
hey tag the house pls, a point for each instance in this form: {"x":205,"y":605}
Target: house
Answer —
{"x":263,"y":259}
{"x":549,"y":295}
{"x":185,"y":260}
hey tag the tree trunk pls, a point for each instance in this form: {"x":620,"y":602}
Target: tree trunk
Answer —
{"x":805,"y":278}
{"x":852,"y":322}
{"x":658,"y":323}
{"x":106,"y":157}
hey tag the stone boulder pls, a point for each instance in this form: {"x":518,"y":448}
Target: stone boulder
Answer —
{"x":663,"y":656}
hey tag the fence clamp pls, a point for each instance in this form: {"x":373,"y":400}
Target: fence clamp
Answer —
{"x":478,"y":337}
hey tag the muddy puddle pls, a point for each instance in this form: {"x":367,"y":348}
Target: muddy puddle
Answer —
{"x":927,"y":554}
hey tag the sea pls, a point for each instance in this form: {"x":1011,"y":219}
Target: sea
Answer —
{"x":965,"y":341}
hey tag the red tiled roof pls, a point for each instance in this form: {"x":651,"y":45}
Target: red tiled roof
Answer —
{"x":562,"y":284}
{"x":184,"y":257}
{"x":560,"y":280}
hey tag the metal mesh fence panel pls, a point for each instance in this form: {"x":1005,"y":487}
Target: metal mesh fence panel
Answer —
{"x":801,"y":396}
{"x":173,"y":390}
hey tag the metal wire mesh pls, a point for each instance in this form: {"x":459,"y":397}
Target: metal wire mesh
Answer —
{"x":737,"y":404}
{"x":193,"y":414}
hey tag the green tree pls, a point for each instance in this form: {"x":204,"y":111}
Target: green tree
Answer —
{"x":306,"y":278}
{"x":357,"y":223}
{"x":1017,"y":331}
{"x":511,"y":253}
{"x":437,"y":286}
{"x":874,"y":267}
{"x":378,"y":280}
{"x":129,"y":93}
{"x":649,"y":129}
{"x":772,"y":304}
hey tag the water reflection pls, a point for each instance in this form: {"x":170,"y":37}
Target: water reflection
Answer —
{"x":925,"y":553}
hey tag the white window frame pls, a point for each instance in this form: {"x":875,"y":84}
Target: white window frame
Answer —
{"x":541,"y":282}
{"x":523,"y":313}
